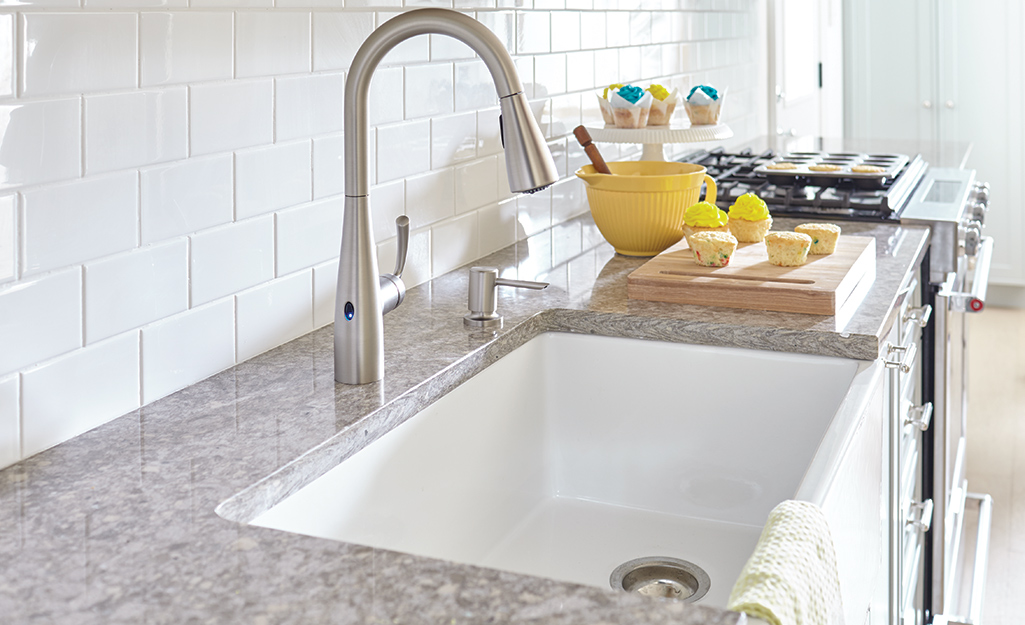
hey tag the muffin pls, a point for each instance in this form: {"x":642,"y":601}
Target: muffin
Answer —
{"x":606,"y":106}
{"x":704,"y":217}
{"x":704,"y":105}
{"x":781,"y":165}
{"x":824,"y":167}
{"x":713,"y":249}
{"x":823,"y":237}
{"x":663,"y":103}
{"x":630,"y":107}
{"x":867,"y":169}
{"x":787,"y":249}
{"x":749,"y":219}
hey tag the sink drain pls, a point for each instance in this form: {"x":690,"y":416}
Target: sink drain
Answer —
{"x":669,"y":578}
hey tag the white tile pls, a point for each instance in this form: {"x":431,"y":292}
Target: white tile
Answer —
{"x":445,"y":48}
{"x":403,"y":150}
{"x":79,"y":221}
{"x":186,"y":197}
{"x":428,"y":90}
{"x":386,"y":101}
{"x":150,"y":127}
{"x":229,"y":116}
{"x":130,"y":290}
{"x":220,"y":4}
{"x":580,"y":71}
{"x":489,"y":140}
{"x":630,"y":64}
{"x":325,"y":285}
{"x":269,"y":43}
{"x":7,"y":55}
{"x":565,"y":31}
{"x":525,"y":70}
{"x":271,"y":178}
{"x":42,"y":142}
{"x":371,"y":3}
{"x":337,"y":36}
{"x":549,"y":75}
{"x":10,"y":422}
{"x":308,"y":105}
{"x":231,"y":258}
{"x":133,"y":4}
{"x":414,"y":50}
{"x":476,"y":184}
{"x":497,"y":226}
{"x":40,"y":319}
{"x":502,"y":24}
{"x":453,"y":139}
{"x":651,"y":61}
{"x":558,"y":148}
{"x":273,"y":314}
{"x":387,"y":202}
{"x":182,"y":46}
{"x":454,"y":243}
{"x":418,"y":257}
{"x":534,"y":211}
{"x":592,"y":30}
{"x":606,"y":67}
{"x":533,"y":32}
{"x":329,"y":166}
{"x":308,"y":235}
{"x":79,"y":392}
{"x":569,"y":199}
{"x":8,"y":238}
{"x":430,"y":198}
{"x":187,"y":348}
{"x":474,"y":88}
{"x":617,"y":31}
{"x":640,"y":28}
{"x":78,"y":52}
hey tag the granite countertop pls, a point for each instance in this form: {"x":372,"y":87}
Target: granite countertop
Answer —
{"x":119,"y":526}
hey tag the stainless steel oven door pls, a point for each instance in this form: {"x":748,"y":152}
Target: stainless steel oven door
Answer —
{"x":957,"y":593}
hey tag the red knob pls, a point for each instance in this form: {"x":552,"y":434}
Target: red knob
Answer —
{"x":976,"y":304}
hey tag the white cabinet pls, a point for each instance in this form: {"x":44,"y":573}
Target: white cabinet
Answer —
{"x":948,"y":71}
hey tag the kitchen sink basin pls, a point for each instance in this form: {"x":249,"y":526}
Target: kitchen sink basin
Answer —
{"x":576,"y":453}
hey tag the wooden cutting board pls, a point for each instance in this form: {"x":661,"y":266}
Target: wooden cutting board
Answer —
{"x":820,"y":287}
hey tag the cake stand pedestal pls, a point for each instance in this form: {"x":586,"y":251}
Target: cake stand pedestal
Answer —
{"x":654,"y":138}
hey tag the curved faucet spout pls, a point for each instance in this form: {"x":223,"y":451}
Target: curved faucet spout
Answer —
{"x":359,"y":329}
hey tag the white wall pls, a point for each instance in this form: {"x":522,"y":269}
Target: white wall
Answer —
{"x":171,"y":179}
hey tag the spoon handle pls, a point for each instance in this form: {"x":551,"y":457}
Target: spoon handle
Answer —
{"x":591,"y":150}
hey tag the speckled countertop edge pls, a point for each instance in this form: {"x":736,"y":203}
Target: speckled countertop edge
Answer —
{"x":117,"y":525}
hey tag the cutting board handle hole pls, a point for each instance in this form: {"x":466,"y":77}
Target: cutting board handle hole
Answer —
{"x":699,"y":274}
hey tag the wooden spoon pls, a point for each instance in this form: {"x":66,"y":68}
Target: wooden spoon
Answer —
{"x":591,"y":150}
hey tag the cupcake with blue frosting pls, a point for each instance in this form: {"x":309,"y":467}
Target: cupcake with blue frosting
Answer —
{"x":630,"y":106}
{"x":704,"y":105}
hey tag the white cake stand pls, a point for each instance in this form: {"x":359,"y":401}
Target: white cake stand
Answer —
{"x":654,"y":138}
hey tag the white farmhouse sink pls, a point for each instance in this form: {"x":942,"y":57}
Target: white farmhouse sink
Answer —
{"x":576,"y":453}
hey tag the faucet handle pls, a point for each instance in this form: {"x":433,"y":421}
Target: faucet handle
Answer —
{"x":482,"y":296}
{"x":402,"y":232}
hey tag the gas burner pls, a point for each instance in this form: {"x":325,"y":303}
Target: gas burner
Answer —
{"x":735,"y":175}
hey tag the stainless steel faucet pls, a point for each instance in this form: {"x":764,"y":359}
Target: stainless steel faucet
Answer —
{"x":364,"y":296}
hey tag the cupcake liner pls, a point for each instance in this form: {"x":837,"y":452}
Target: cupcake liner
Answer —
{"x":704,"y":115}
{"x":662,"y":110}
{"x":606,"y":111}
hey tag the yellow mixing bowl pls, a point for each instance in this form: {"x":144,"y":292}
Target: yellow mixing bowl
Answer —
{"x":639,"y":207}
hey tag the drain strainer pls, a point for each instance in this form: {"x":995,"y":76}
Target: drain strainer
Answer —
{"x":669,"y":578}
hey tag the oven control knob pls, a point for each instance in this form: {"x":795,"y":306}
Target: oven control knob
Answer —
{"x":981,"y":192}
{"x":976,"y":211}
{"x":972,"y":238}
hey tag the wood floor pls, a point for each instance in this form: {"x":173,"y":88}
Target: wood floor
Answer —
{"x":996,"y":451}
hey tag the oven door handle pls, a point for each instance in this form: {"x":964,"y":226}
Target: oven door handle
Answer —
{"x":974,"y":301}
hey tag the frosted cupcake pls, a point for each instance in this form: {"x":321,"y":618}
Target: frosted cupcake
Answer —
{"x":704,"y":105}
{"x":704,"y":217}
{"x":750,"y":219}
{"x":630,"y":107}
{"x":663,"y":103}
{"x":606,"y":106}
{"x":787,"y":249}
{"x":712,"y":249}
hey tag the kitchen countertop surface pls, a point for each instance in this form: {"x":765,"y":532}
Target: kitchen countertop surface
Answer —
{"x":118,"y":524}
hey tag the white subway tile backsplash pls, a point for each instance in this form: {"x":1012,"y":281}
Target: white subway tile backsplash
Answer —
{"x":549,"y":75}
{"x":453,"y":139}
{"x":308,"y":235}
{"x":186,"y":348}
{"x":329,"y":166}
{"x":476,"y":184}
{"x":430,"y":198}
{"x":428,"y":90}
{"x":40,"y":319}
{"x":78,"y":392}
{"x":10,"y":421}
{"x":325,"y":285}
{"x":474,"y":88}
{"x":592,"y":30}
{"x":179,"y":46}
{"x":497,"y":225}
{"x":150,"y":125}
{"x":231,"y":258}
{"x":534,"y":211}
{"x":130,"y":290}
{"x":186,"y":197}
{"x":444,"y":48}
{"x":42,"y":142}
{"x":274,"y":313}
{"x":7,"y":55}
{"x":386,"y":99}
{"x":78,"y":52}
{"x":454,"y":243}
{"x":337,"y":36}
{"x":387,"y":202}
{"x":403,"y":150}
{"x":268,"y":179}
{"x":79,"y":221}
{"x":8,"y":238}
{"x":308,"y":105}
{"x":580,"y":71}
{"x":272,"y":43}
{"x":229,"y":116}
{"x":502,"y":24}
{"x":489,"y":139}
{"x":533,"y":32}
{"x":565,"y":31}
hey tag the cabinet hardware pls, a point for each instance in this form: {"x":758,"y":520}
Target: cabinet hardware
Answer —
{"x":919,"y":315}
{"x":904,"y":363}
{"x":920,"y":516}
{"x":920,"y":416}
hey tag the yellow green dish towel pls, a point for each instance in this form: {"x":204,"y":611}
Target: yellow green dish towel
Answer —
{"x":791,"y":578}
